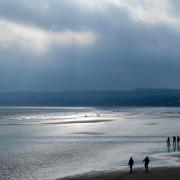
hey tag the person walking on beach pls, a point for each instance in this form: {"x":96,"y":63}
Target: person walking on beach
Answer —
{"x":178,"y":139}
{"x":146,"y":163}
{"x":168,"y":142}
{"x":174,"y":140}
{"x":131,"y":163}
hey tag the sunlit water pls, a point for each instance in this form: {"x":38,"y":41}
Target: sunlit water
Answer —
{"x":48,"y":143}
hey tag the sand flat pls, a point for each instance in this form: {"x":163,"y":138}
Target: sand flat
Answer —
{"x":160,"y":173}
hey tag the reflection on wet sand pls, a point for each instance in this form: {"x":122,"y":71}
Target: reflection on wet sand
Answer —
{"x":59,"y":122}
{"x":80,"y":122}
{"x":173,"y":148}
{"x":152,"y":124}
{"x":89,"y":133}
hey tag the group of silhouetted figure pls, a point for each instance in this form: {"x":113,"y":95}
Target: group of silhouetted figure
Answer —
{"x":146,"y":163}
{"x":175,"y":141}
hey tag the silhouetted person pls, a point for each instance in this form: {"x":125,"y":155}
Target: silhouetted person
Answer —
{"x":178,"y":139}
{"x":146,"y":163}
{"x":168,"y":142}
{"x":131,"y":163}
{"x":98,"y":115}
{"x":174,"y":140}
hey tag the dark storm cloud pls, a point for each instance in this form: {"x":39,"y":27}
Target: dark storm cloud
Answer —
{"x":128,"y":50}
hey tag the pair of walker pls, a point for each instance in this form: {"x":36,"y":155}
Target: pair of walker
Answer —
{"x":146,"y":163}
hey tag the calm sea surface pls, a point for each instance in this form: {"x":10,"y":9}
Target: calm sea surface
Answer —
{"x":48,"y":143}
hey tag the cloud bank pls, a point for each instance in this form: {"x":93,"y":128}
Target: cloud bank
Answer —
{"x":97,"y":44}
{"x":40,"y":41}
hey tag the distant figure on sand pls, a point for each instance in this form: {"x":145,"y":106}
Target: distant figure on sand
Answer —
{"x":146,"y":163}
{"x":131,"y":163}
{"x":178,"y":139}
{"x":98,"y":115}
{"x":174,"y":140}
{"x":168,"y":142}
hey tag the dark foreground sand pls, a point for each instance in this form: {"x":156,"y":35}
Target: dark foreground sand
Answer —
{"x":138,"y":174}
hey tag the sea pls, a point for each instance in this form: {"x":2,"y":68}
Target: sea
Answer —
{"x":47,"y":143}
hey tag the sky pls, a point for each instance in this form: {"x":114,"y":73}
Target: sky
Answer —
{"x":54,"y":45}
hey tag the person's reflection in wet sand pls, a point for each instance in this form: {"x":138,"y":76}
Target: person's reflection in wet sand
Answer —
{"x":168,"y":148}
{"x":178,"y":147}
{"x":174,"y":148}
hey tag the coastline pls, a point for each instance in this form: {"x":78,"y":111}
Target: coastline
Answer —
{"x":156,"y":173}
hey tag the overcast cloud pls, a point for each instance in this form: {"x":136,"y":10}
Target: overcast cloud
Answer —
{"x":81,"y":45}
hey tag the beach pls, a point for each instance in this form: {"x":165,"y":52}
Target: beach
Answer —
{"x":158,"y":173}
{"x":59,"y":142}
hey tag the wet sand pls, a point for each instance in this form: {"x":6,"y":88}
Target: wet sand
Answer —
{"x":159,"y":173}
{"x":81,"y":122}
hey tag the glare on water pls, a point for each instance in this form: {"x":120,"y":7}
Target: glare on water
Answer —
{"x":47,"y":143}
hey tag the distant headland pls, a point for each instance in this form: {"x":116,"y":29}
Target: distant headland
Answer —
{"x":136,"y":97}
